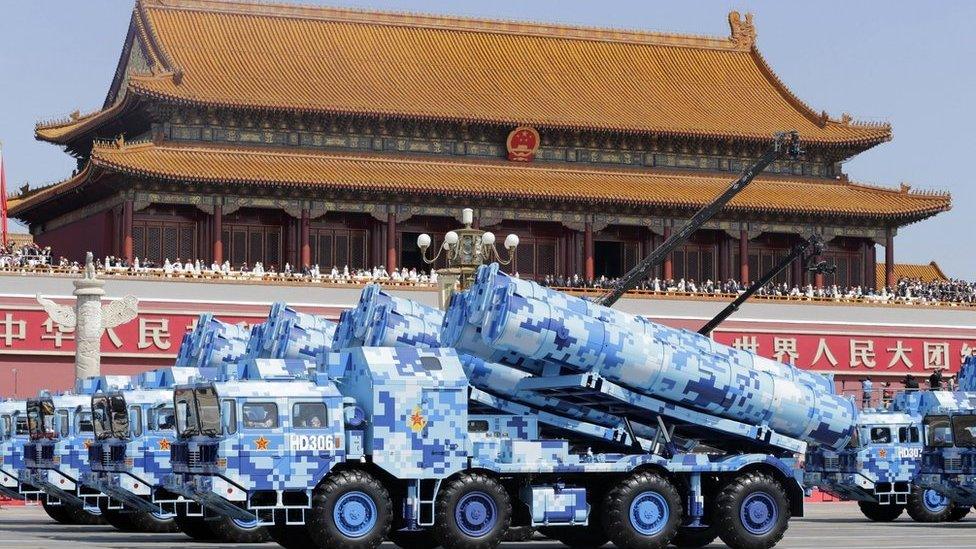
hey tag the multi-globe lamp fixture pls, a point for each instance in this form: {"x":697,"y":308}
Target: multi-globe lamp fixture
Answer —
{"x":466,"y":249}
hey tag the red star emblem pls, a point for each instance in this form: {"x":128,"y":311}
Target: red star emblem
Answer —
{"x":164,"y":444}
{"x":417,"y":421}
{"x":88,"y":443}
{"x":883,"y":453}
{"x":261,"y":443}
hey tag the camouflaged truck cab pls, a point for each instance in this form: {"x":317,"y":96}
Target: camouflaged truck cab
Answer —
{"x":949,"y":455}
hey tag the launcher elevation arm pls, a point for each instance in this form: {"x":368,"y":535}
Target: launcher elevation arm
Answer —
{"x":784,"y":143}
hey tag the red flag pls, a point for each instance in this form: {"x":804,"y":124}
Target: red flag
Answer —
{"x":3,"y":202}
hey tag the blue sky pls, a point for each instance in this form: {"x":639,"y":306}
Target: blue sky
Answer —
{"x":909,"y":63}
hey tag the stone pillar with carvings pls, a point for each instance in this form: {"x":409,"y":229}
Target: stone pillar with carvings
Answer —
{"x":306,"y":247}
{"x":744,"y":257}
{"x":89,"y":319}
{"x":127,"y":211}
{"x":391,"y":252}
{"x":889,"y":257}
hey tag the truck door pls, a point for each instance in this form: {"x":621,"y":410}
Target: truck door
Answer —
{"x":314,"y":440}
{"x":263,"y":450}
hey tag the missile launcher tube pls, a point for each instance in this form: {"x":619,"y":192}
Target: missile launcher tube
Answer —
{"x":390,"y":328}
{"x":488,"y":279}
{"x":289,"y":334}
{"x":640,"y":355}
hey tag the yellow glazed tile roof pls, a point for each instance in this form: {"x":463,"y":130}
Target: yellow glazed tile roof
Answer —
{"x":304,"y":58}
{"x":925,"y":272}
{"x":490,"y":178}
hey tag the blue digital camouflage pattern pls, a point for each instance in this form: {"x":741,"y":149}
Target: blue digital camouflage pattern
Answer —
{"x":556,"y":505}
{"x":126,"y":471}
{"x":213,"y":344}
{"x":390,"y":328}
{"x":880,"y":468}
{"x":289,"y":334}
{"x":664,"y":363}
{"x":949,"y":456}
{"x":967,"y":375}
{"x":356,"y":322}
{"x":11,"y":447}
{"x":55,"y":465}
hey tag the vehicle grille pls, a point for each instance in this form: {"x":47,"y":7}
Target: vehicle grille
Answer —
{"x":832,"y":463}
{"x":953,"y":464}
{"x":178,"y":453}
{"x":96,"y":454}
{"x":204,"y":454}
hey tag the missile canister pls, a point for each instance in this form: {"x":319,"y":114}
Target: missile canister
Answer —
{"x":289,"y":334}
{"x":212,"y":343}
{"x":373,"y":296}
{"x":391,"y":328}
{"x":488,"y":279}
{"x":643,"y":356}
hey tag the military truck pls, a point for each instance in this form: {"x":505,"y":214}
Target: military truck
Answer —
{"x":392,"y":456}
{"x":949,"y":455}
{"x":878,"y":469}
{"x":13,"y":437}
{"x":60,"y":431}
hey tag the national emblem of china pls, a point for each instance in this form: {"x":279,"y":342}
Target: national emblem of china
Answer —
{"x":522,"y":144}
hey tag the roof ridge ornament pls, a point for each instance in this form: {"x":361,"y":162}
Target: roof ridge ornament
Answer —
{"x":743,"y":30}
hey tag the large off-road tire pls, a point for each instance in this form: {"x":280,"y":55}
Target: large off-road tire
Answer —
{"x":519,"y":533}
{"x":196,"y":528}
{"x":350,"y":510}
{"x":752,"y":512}
{"x":59,"y":513}
{"x":415,"y":539}
{"x":151,"y":523}
{"x":643,"y":511}
{"x":591,"y":535}
{"x":119,"y":520}
{"x":236,"y":531}
{"x":473,"y":512}
{"x":959,"y":512}
{"x":694,"y":537}
{"x":928,"y":506}
{"x":291,"y":537}
{"x":880,"y":513}
{"x":85,"y":518}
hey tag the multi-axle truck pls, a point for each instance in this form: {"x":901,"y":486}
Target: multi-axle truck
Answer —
{"x":13,"y":438}
{"x":649,"y":435}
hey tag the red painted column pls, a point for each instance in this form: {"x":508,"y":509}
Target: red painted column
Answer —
{"x":589,"y":267}
{"x":744,"y":257}
{"x":216,"y":235}
{"x":391,"y":252}
{"x":668,"y":272}
{"x":127,"y":207}
{"x":306,"y":247}
{"x":889,"y":257}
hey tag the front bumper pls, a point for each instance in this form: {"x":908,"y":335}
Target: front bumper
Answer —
{"x":215,"y":493}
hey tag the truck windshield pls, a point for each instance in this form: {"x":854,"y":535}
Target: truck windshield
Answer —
{"x":197,"y":411}
{"x":964,"y":430}
{"x":40,"y":418}
{"x":938,"y":431}
{"x":109,"y":416}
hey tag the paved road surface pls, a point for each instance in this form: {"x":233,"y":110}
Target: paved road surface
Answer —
{"x":826,"y":526}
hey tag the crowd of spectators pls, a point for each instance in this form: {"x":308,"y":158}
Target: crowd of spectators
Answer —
{"x":906,"y":290}
{"x":24,"y":256}
{"x":31,"y":257}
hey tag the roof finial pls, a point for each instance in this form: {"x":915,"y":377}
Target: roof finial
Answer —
{"x":743,"y":30}
{"x":120,"y":142}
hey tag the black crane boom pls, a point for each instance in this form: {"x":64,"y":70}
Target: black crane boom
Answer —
{"x":784,"y":143}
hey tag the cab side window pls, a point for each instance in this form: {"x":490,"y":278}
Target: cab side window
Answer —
{"x":135,"y":421}
{"x":880,"y":435}
{"x":5,"y":427}
{"x":162,"y":419}
{"x":228,"y":416}
{"x":63,"y":422}
{"x":83,"y":422}
{"x":309,"y":415}
{"x":260,"y":415}
{"x":908,"y":434}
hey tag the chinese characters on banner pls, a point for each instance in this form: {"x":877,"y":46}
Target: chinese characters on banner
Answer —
{"x":149,"y":333}
{"x":855,"y":353}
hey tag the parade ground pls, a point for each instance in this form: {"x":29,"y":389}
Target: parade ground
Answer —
{"x":837,"y":525}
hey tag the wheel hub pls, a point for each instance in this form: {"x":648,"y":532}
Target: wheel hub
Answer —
{"x":758,"y":513}
{"x":934,"y":501}
{"x":649,"y":513}
{"x":354,"y":514}
{"x":476,"y":514}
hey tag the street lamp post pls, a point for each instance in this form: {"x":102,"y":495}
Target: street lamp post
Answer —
{"x":465,"y":250}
